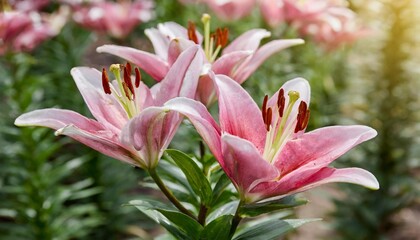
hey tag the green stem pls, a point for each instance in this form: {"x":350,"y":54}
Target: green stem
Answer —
{"x":236,"y":220}
{"x":169,"y":194}
{"x":202,"y":214}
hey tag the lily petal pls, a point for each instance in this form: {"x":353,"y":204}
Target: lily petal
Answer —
{"x":302,"y":182}
{"x":159,"y":41}
{"x":176,"y":47}
{"x":317,"y":149}
{"x":56,"y":119}
{"x":227,"y":63}
{"x":151,"y":64}
{"x":105,"y":108}
{"x":174,"y":30}
{"x":150,"y":133}
{"x":248,"y":41}
{"x":101,"y":143}
{"x":199,"y":116}
{"x":244,"y":163}
{"x":182,"y":78}
{"x":263,"y":53}
{"x":239,"y":115}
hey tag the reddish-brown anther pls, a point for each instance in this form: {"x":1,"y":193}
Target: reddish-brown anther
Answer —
{"x":105,"y":82}
{"x":222,"y":36}
{"x":138,"y":77}
{"x":264,"y":109}
{"x":302,"y":107}
{"x":302,"y":117}
{"x":127,"y":91}
{"x":128,"y":66}
{"x":306,"y":120}
{"x":127,"y":81}
{"x":281,"y":101}
{"x":269,"y":116}
{"x":192,"y":35}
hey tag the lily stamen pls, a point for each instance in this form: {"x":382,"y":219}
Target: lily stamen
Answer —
{"x":126,"y":94}
{"x":105,"y":82}
{"x":213,"y":42}
{"x":192,"y":35}
{"x":138,"y":77}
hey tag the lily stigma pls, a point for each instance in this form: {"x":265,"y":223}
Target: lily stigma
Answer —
{"x":213,"y":42}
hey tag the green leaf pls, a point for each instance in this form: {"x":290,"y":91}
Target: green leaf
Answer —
{"x":228,"y":208}
{"x":195,"y":176}
{"x":148,"y":208}
{"x":178,"y":224}
{"x":217,"y":229}
{"x":271,"y":229}
{"x":188,"y":225}
{"x":221,"y":185}
{"x":252,"y":210}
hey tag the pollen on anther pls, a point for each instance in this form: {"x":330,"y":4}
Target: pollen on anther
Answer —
{"x":127,"y":81}
{"x":128,"y":66}
{"x":192,"y":35}
{"x":302,"y":117}
{"x":105,"y":82}
{"x":222,"y":36}
{"x":264,"y":109}
{"x":281,"y":101}
{"x":269,"y":117}
{"x":138,"y":77}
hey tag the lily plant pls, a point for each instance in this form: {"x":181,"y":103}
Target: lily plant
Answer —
{"x":266,"y":152}
{"x":238,"y":60}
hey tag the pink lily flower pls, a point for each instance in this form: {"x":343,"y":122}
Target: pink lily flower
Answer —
{"x":328,"y":22}
{"x":28,"y":5}
{"x":266,"y":153}
{"x":130,"y":124}
{"x":238,"y":60}
{"x":116,"y":19}
{"x":278,"y":11}
{"x":335,"y":27}
{"x":22,"y":31}
{"x":231,"y":9}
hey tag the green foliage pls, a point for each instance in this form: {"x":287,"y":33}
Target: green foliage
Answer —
{"x":269,"y":228}
{"x":194,"y":175}
{"x":390,"y":106}
{"x":256,"y":209}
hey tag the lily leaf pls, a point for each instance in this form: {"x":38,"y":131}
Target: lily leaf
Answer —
{"x":188,"y":225}
{"x":270,"y":229}
{"x":195,"y":176}
{"x":178,"y":224}
{"x":255,"y":209}
{"x":217,"y":229}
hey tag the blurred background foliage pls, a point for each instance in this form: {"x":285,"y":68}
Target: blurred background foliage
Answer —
{"x":54,"y":188}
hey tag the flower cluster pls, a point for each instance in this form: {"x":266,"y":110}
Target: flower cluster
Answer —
{"x":238,"y":59}
{"x":328,"y":22}
{"x":22,"y":27}
{"x":265,"y":152}
{"x":115,"y":19}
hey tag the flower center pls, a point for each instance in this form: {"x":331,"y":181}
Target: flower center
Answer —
{"x":213,"y":42}
{"x":281,"y":123}
{"x":123,"y":90}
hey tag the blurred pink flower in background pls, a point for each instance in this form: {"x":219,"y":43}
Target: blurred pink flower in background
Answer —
{"x":231,"y":9}
{"x":23,"y":31}
{"x":117,"y":19}
{"x":28,"y":5}
{"x":329,"y":23}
